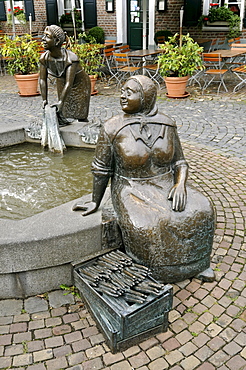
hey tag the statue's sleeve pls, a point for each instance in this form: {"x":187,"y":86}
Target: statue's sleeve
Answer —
{"x":102,"y":164}
{"x":178,"y":158}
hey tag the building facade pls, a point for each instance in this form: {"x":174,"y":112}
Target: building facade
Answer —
{"x":129,"y":21}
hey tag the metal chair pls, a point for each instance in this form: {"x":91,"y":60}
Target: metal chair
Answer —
{"x":124,"y":48}
{"x":214,"y":71}
{"x":240,"y":72}
{"x":213,"y":45}
{"x":110,"y":64}
{"x":196,"y":77}
{"x":124,"y":66}
{"x":241,"y":59}
{"x":153,"y":72}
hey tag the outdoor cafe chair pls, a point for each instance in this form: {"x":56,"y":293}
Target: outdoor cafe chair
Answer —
{"x":124,"y":66}
{"x":240,"y":72}
{"x":213,"y":71}
{"x":153,"y":71}
{"x":233,"y":41}
{"x":124,"y":48}
{"x":196,"y":77}
{"x":110,"y":64}
{"x":213,"y":45}
{"x":241,"y":59}
{"x":110,"y":42}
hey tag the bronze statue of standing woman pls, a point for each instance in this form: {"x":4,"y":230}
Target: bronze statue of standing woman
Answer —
{"x":73,"y":84}
{"x":166,"y":224}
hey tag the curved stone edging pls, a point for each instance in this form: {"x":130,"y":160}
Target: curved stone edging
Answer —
{"x":35,"y":253}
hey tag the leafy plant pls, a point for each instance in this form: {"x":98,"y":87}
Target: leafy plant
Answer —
{"x":22,"y":53}
{"x":89,"y":55}
{"x":70,"y":289}
{"x":222,"y":14}
{"x":67,"y":18}
{"x":165,"y":33}
{"x":179,"y":61}
{"x":97,"y":33}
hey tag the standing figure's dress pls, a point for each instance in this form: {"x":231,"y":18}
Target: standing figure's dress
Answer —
{"x":140,"y":154}
{"x":77,"y":103}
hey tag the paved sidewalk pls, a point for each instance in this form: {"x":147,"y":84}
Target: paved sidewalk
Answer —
{"x":207,"y":325}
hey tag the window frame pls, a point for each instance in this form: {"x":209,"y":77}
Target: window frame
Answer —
{"x":62,"y":10}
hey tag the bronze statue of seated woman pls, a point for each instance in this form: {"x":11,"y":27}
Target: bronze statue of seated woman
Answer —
{"x":166,"y":224}
{"x":73,"y":84}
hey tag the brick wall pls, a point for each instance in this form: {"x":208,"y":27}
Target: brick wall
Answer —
{"x":166,"y":20}
{"x":171,"y":17}
{"x":37,"y":26}
{"x":106,"y":20}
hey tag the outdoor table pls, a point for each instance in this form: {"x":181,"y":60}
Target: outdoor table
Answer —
{"x":230,"y":54}
{"x":143,"y":53}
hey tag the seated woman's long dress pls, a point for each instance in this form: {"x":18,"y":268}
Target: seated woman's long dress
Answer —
{"x":140,"y":154}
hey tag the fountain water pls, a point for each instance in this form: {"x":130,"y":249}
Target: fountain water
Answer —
{"x":33,"y":180}
{"x":36,"y":252}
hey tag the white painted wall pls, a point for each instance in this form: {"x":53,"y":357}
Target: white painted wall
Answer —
{"x":121,"y":21}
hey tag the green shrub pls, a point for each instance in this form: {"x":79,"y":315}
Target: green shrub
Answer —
{"x":223,"y":14}
{"x":165,"y":33}
{"x":97,"y":33}
{"x":89,"y":55}
{"x":176,"y":61}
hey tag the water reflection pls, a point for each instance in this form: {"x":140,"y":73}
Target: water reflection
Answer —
{"x":33,"y":180}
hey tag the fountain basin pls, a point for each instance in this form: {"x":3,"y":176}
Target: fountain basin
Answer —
{"x":36,"y":253}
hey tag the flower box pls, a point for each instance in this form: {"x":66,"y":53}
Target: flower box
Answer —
{"x":218,"y":24}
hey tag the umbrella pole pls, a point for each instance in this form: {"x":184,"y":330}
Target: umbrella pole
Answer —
{"x":13,"y":18}
{"x":181,"y":25}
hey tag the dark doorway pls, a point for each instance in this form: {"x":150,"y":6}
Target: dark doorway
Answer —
{"x":135,"y":23}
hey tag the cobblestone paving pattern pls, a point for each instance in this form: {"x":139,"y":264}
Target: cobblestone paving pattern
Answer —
{"x":207,"y":325}
{"x":217,"y":121}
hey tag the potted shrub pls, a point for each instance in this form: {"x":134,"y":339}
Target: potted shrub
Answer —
{"x":90,"y":56}
{"x":177,"y":63}
{"x":22,"y":55}
{"x":222,"y":16}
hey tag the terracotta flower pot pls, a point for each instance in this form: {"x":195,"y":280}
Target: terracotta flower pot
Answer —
{"x":93,"y":79}
{"x":27,"y":84}
{"x":176,"y":86}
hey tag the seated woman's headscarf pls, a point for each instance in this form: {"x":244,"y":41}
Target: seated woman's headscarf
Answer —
{"x":148,"y":91}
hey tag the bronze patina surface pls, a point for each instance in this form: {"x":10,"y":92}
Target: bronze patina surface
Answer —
{"x":166,"y":224}
{"x":73,"y":84}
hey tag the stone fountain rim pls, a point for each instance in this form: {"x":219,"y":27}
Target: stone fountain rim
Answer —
{"x":44,"y":240}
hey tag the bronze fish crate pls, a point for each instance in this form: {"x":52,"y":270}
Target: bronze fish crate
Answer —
{"x":125,"y":316}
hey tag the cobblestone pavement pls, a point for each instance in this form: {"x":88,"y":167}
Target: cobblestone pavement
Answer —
{"x":207,"y":325}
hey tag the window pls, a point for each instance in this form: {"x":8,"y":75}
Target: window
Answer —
{"x":237,"y":6}
{"x":19,"y":4}
{"x":69,"y":5}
